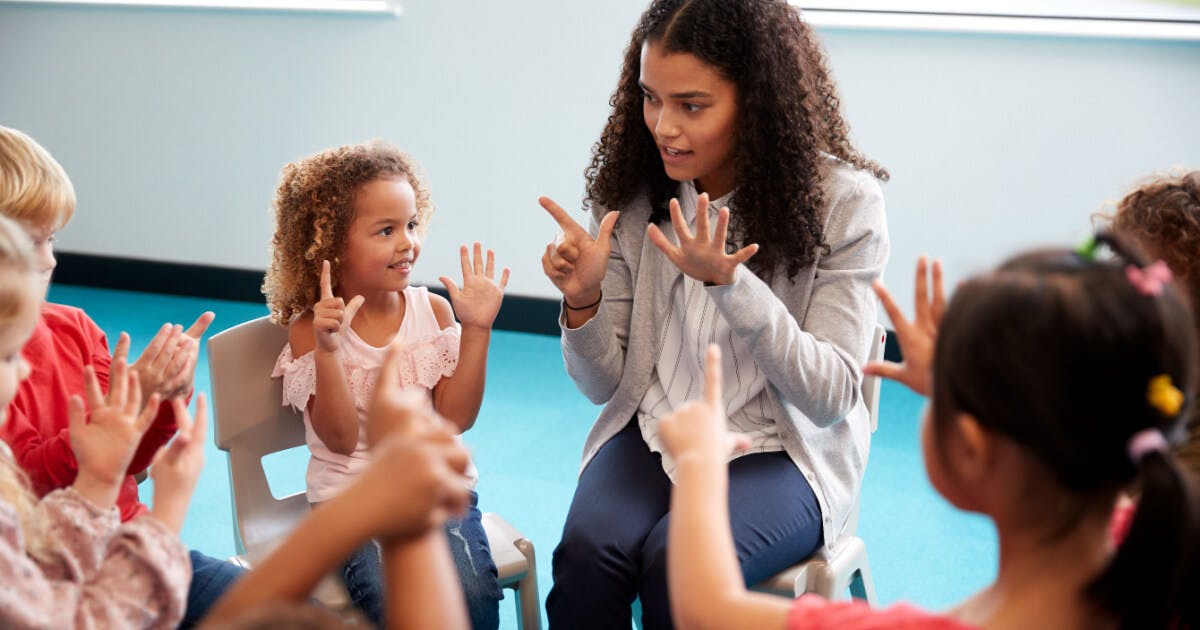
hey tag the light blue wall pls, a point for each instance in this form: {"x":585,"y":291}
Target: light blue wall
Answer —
{"x":174,"y":123}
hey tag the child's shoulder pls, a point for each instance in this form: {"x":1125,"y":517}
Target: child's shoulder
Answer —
{"x":300,"y":335}
{"x":441,"y":310}
{"x":59,"y":316}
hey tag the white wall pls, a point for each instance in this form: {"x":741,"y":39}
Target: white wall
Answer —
{"x":174,"y":123}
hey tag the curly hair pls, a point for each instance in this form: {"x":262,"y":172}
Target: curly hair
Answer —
{"x":314,"y":207}
{"x":788,"y":116}
{"x":1162,"y":216}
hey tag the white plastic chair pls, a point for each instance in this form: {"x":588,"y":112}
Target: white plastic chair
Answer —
{"x":251,"y":422}
{"x":831,"y":573}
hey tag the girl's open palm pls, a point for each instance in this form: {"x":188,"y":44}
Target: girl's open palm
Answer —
{"x":918,"y":337}
{"x":332,"y":315}
{"x":701,"y":256}
{"x":105,"y":436}
{"x":576,"y":263}
{"x":478,"y":301}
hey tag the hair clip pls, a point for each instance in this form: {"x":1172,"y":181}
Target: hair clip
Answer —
{"x":1087,"y":249}
{"x":1164,"y":396}
{"x":1145,"y":442}
{"x":1149,"y":279}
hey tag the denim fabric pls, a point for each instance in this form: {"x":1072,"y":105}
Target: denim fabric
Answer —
{"x":210,"y":579}
{"x":363,"y":572}
{"x":614,"y":542}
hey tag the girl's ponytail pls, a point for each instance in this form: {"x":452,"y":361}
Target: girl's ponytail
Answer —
{"x":1152,"y":579}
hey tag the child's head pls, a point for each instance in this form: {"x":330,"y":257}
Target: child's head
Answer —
{"x":364,"y":208}
{"x":1065,"y":359}
{"x":1162,"y":217}
{"x":728,"y":83}
{"x":20,"y":299}
{"x":36,"y":192}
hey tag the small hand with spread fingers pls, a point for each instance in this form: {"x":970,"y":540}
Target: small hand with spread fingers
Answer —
{"x":701,"y":256}
{"x":478,"y":301}
{"x":575,"y":262}
{"x":176,"y":466}
{"x":698,"y":428}
{"x":105,"y":435}
{"x":917,"y":338}
{"x":332,"y":315}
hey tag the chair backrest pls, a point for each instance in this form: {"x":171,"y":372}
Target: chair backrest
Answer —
{"x":871,"y":384}
{"x":251,"y":422}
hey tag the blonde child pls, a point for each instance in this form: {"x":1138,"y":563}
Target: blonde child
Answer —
{"x":416,"y":479}
{"x":1056,"y":381}
{"x":349,"y":224}
{"x":36,"y":192}
{"x":67,"y":560}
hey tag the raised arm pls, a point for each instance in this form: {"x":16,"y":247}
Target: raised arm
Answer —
{"x":331,"y":408}
{"x":458,"y":397}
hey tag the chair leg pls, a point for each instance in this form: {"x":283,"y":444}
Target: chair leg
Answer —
{"x":861,"y":585}
{"x":529,"y":605}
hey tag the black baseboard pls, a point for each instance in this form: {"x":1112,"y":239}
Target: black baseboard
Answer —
{"x":519,"y":313}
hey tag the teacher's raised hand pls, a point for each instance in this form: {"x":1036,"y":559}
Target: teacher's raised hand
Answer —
{"x":575,"y":262}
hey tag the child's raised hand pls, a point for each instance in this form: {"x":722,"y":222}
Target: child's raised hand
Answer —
{"x":395,"y":409}
{"x":918,"y":337}
{"x":176,"y":466}
{"x":576,"y":263}
{"x":332,"y":315}
{"x":478,"y":301}
{"x":105,"y":439}
{"x":699,"y":427}
{"x":701,"y":256}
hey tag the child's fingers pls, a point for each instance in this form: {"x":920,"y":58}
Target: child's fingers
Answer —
{"x":451,"y":288}
{"x":199,"y":431}
{"x":121,"y":351}
{"x":504,"y":278}
{"x":156,"y":345}
{"x":76,"y":415}
{"x":713,"y":377}
{"x":183,"y":420}
{"x":921,"y":291}
{"x":133,"y":397}
{"x":464,"y":261}
{"x":899,"y":322}
{"x":148,"y":413}
{"x":352,"y":309}
{"x":477,"y":259}
{"x":885,"y":369}
{"x":489,"y":269}
{"x":939,"y":293}
{"x":326,"y":281}
{"x":91,"y":386}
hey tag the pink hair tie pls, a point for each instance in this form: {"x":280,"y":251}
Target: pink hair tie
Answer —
{"x":1149,"y":279}
{"x":1145,"y":442}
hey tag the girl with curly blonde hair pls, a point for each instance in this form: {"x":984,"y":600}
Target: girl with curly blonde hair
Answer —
{"x":747,"y":218}
{"x":349,"y":225}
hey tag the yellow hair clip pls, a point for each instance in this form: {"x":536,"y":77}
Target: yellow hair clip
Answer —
{"x":1164,"y":396}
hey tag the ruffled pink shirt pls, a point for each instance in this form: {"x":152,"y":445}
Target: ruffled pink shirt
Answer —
{"x":812,"y":612}
{"x":429,"y":354}
{"x":94,"y":572}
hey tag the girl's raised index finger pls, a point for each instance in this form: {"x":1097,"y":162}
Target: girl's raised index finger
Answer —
{"x":326,"y":282}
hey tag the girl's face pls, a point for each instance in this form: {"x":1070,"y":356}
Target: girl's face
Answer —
{"x":13,"y":335}
{"x":691,"y":110}
{"x":382,"y":243}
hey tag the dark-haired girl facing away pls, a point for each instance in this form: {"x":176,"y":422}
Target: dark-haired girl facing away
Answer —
{"x":748,"y":220}
{"x":1056,"y":382}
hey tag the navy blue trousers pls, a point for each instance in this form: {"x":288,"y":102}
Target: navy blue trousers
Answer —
{"x":614,"y":543}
